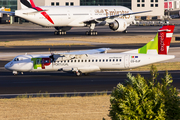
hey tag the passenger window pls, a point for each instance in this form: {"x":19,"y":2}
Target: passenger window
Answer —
{"x":116,"y":60}
{"x":99,"y":60}
{"x":92,"y":60}
{"x":64,"y":61}
{"x":103,"y":60}
{"x":109,"y":60}
{"x":68,"y":61}
{"x":89,"y":60}
{"x":78,"y":60}
{"x":74,"y":60}
{"x":85,"y":60}
{"x":96,"y":60}
{"x":113,"y":60}
{"x":106,"y":60}
{"x":81,"y":60}
{"x":120,"y":60}
{"x":71,"y":60}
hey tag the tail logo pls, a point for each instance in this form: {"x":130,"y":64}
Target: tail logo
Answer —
{"x":160,"y":44}
{"x":31,"y":4}
{"x":26,"y":3}
{"x":162,"y":41}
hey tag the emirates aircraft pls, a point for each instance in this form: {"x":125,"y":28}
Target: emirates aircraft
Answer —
{"x":85,"y":62}
{"x":63,"y":18}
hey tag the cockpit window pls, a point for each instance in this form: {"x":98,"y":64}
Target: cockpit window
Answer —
{"x":16,"y":59}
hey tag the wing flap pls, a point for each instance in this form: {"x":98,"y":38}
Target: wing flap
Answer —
{"x":77,"y":54}
{"x":93,"y":51}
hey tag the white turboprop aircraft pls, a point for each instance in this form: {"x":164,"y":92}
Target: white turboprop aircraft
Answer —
{"x":98,"y":59}
{"x":63,"y":18}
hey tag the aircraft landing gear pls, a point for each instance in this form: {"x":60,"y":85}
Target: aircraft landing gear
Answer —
{"x":79,"y":73}
{"x":91,"y":31}
{"x":59,"y":33}
{"x":125,"y":31}
{"x":15,"y":73}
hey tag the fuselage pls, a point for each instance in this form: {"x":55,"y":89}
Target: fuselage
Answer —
{"x":86,"y":63}
{"x":73,"y":15}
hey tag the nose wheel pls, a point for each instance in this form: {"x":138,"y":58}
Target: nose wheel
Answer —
{"x":15,"y":73}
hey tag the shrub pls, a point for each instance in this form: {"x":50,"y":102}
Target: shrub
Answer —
{"x":141,"y":99}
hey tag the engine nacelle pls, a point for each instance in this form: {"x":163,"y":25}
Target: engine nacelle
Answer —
{"x":118,"y":25}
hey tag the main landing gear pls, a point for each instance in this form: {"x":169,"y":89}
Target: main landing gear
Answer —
{"x":79,"y":73}
{"x":125,"y":31}
{"x":91,"y":31}
{"x":61,"y":30}
{"x":59,"y":33}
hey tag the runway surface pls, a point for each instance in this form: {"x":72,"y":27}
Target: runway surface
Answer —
{"x":55,"y":82}
{"x":58,"y":82}
{"x":28,"y":31}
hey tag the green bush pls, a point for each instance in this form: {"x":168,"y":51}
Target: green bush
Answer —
{"x":141,"y":99}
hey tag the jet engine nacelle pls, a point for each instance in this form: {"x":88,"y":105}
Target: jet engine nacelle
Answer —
{"x":118,"y":25}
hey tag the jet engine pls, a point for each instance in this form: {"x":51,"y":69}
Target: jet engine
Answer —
{"x":118,"y":25}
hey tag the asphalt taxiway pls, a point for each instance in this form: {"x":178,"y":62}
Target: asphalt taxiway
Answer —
{"x":29,"y":31}
{"x":57,"y":82}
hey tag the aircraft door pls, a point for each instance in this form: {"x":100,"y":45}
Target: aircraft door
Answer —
{"x":69,"y":15}
{"x":126,"y":61}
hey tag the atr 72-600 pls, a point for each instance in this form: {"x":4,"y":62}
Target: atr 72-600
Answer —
{"x":63,"y":18}
{"x":84,"y":62}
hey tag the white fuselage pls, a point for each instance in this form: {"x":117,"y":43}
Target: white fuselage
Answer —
{"x":85,"y":64}
{"x":73,"y":15}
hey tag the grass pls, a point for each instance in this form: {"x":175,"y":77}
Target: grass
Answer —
{"x":160,"y":67}
{"x":82,"y":41}
{"x":66,"y":108}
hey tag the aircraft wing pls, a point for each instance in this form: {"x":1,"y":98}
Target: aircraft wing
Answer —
{"x":10,"y":13}
{"x":77,"y":54}
{"x":93,"y":51}
{"x":112,"y":17}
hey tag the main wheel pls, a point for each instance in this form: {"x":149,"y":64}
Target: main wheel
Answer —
{"x":125,"y":31}
{"x":56,"y":33}
{"x":78,"y":73}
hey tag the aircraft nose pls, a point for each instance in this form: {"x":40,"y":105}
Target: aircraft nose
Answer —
{"x":8,"y":66}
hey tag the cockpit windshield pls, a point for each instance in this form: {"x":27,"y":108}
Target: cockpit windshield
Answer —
{"x":16,"y":59}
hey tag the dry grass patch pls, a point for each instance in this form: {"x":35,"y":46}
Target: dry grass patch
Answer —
{"x":66,"y":108}
{"x":160,"y":67}
{"x":83,"y":40}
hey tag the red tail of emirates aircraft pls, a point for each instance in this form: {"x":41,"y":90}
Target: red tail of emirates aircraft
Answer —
{"x":63,"y":18}
{"x":98,"y":59}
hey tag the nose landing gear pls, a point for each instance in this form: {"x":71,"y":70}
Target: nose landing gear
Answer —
{"x":15,"y":73}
